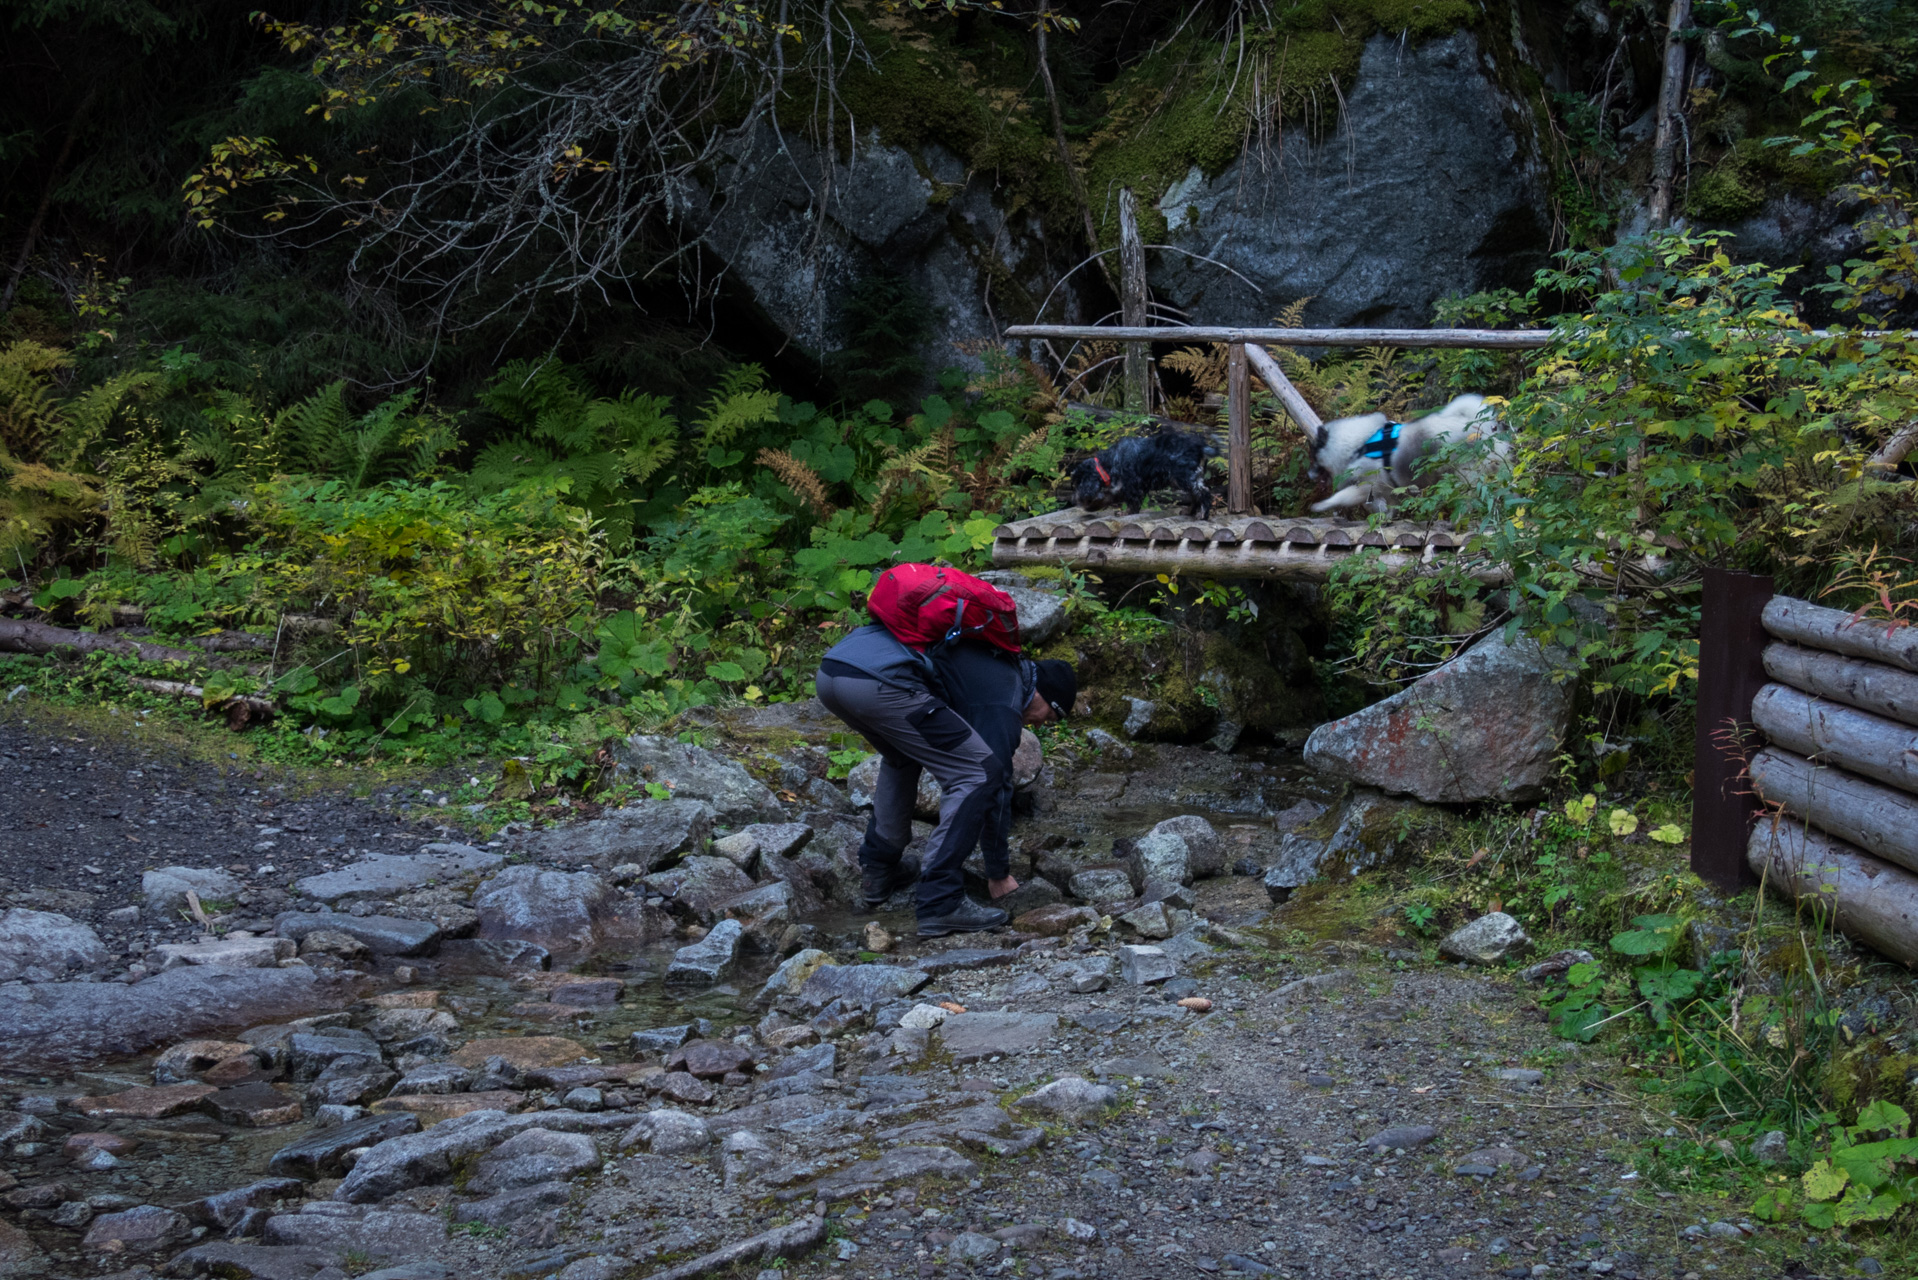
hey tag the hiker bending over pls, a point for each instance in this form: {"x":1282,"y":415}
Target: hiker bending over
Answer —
{"x":898,"y":699}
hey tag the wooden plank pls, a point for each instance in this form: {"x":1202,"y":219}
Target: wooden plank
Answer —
{"x":1274,"y":377}
{"x":1246,"y":559}
{"x":1876,"y":818}
{"x":1871,"y":900}
{"x":1730,"y":674}
{"x":1869,"y":686}
{"x":1489,"y":338}
{"x":1832,"y":733}
{"x":1238,"y":449}
{"x":1817,"y":627}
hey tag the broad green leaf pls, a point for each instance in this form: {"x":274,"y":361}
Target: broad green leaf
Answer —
{"x":1623,"y":822}
{"x":1669,"y":833}
{"x":730,"y":672}
{"x":1823,"y":1182}
{"x":1582,"y":973}
{"x":1880,"y":1116}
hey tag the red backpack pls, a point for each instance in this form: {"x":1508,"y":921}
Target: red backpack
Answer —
{"x":924,"y":605}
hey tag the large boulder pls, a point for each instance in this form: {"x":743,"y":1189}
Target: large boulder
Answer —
{"x":381,"y":875}
{"x":649,"y":834}
{"x":694,"y":773}
{"x":1042,"y":614}
{"x":42,"y":946}
{"x":57,"y":1023}
{"x":567,"y":912}
{"x":1485,"y":726}
{"x":1282,"y":219}
{"x":1369,"y":830}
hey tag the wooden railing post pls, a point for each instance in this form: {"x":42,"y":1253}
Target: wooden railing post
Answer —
{"x":1238,"y":456}
{"x":1132,"y":304}
{"x":1731,"y":671}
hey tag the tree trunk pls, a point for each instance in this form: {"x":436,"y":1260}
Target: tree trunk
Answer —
{"x":241,"y":709}
{"x":1871,"y":900}
{"x":1274,"y":377}
{"x":1132,"y":304}
{"x":1830,"y":733}
{"x":1869,"y":686}
{"x":40,"y":637}
{"x":1671,"y":102}
{"x":1877,"y":819}
{"x":1838,"y":632}
{"x":1896,"y":449}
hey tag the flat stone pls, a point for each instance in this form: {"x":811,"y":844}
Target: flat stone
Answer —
{"x":509,"y":1208}
{"x":649,"y":834}
{"x":318,"y":1153}
{"x":434,"y":1108}
{"x":255,"y":1106}
{"x":19,"y":1255}
{"x":381,"y":935}
{"x":498,"y":958}
{"x":145,"y":1229}
{"x":389,"y":1025}
{"x":762,"y":840}
{"x":819,"y":1059}
{"x":232,"y":953}
{"x":558,"y":910}
{"x":150,"y":1103}
{"x":44,"y":946}
{"x":1498,"y":1158}
{"x":191,"y":1058}
{"x":661,"y":1039}
{"x":669,"y":1133}
{"x":1518,"y":1075}
{"x":1148,"y":1067}
{"x":1099,"y":885}
{"x":398,"y":1164}
{"x":227,"y":1209}
{"x":1071,"y":1098}
{"x":1056,"y":920}
{"x":311,"y":1052}
{"x":1142,"y":966}
{"x":695,"y":773}
{"x":533,"y":1156}
{"x":972,"y":1037}
{"x":1148,"y":921}
{"x":231,"y":1260}
{"x":1366,"y":832}
{"x":165,"y":889}
{"x":382,"y":875}
{"x":1185,"y":946}
{"x":700,"y":886}
{"x":860,"y":985}
{"x":792,"y":974}
{"x":764,"y":913}
{"x":381,"y":1235}
{"x":681,"y":1086}
{"x":962,"y":959}
{"x":524,"y":1052}
{"x":591,"y":993}
{"x":1406,"y":1136}
{"x":1487,"y":940}
{"x":711,"y":958}
{"x":709,"y":1059}
{"x":114,"y":1144}
{"x":898,"y":1165}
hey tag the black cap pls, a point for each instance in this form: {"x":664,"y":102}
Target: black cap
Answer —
{"x":1058,"y":685}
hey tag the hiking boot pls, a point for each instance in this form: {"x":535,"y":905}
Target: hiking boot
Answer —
{"x":963,"y":916}
{"x":878,"y":883}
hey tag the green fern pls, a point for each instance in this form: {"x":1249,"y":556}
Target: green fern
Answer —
{"x":741,"y":402}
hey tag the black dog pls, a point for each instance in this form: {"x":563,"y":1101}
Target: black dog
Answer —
{"x":1138,"y":466}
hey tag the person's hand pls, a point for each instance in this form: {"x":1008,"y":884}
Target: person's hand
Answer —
{"x":1000,"y":888}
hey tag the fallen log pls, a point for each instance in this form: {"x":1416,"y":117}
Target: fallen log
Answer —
{"x":1868,"y":899}
{"x":1831,"y":733}
{"x":1877,"y":819}
{"x":17,"y":636}
{"x":241,"y":709}
{"x":1856,"y":682}
{"x":1836,"y":631}
{"x":788,"y":1241}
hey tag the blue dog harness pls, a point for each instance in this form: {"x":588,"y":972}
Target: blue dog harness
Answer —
{"x":1382,"y":444}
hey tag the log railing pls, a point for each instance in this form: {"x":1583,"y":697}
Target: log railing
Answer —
{"x":1838,"y":771}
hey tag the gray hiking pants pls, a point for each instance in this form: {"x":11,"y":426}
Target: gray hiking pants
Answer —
{"x":913,"y":731}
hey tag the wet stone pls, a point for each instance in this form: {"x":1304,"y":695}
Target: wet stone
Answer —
{"x":349,"y":1081}
{"x":141,"y":1230}
{"x":227,"y":1209}
{"x":592,"y":993}
{"x":435,"y":1077}
{"x":317,"y":1155}
{"x":711,"y":958}
{"x":522,"y":1052}
{"x":310,"y":1053}
{"x":432,"y":1108}
{"x":389,"y":1235}
{"x":668,"y":1133}
{"x":146,"y":1103}
{"x":382,"y":875}
{"x":381,"y":935}
{"x":415,"y":1159}
{"x":860,"y":985}
{"x":254,"y":1262}
{"x":792,"y":974}
{"x":820,"y":1059}
{"x":256,"y":1106}
{"x":661,"y":1039}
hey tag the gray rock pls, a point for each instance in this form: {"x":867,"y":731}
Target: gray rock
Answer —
{"x":964,"y":958}
{"x":1175,"y":852}
{"x":661,"y":1039}
{"x":972,"y":1246}
{"x":744,"y":1155}
{"x":711,"y":958}
{"x":350,"y":1080}
{"x":435,"y":1078}
{"x":1107,"y":744}
{"x":1185,"y":946}
{"x":1772,"y":1148}
{"x":1487,"y":940}
{"x":165,"y":890}
{"x":411,"y":1271}
{"x":669,"y":1133}
{"x":1401,"y":1136}
{"x":898,"y":1165}
{"x":1029,"y":896}
{"x":1142,"y":966}
{"x":381,"y":1235}
{"x":865,"y":776}
{"x":765,"y":913}
{"x":694,"y":773}
{"x":792,"y":974}
{"x":1522,"y":1076}
{"x":860,"y":985}
{"x":1365,"y":833}
{"x":973,"y":1037}
{"x":1042,"y":614}
{"x":700,"y":886}
{"x":1487,"y":725}
{"x":1139,"y":717}
{"x":649,"y":833}
{"x":1101,"y":885}
{"x":1069,"y":1098}
{"x":1555,"y":965}
{"x":415,"y":1159}
{"x":227,"y":1209}
{"x":1280,"y":218}
{"x":318,"y":1154}
{"x":381,"y":935}
{"x":509,"y":1208}
{"x":381,"y":875}
{"x":144,"y":1229}
{"x":311,"y":1053}
{"x":230,"y":1260}
{"x":568,"y":913}
{"x":56,"y":1023}
{"x":532,"y":1156}
{"x":1148,"y":921}
{"x":819,"y":1059}
{"x":770,"y":840}
{"x":41,"y":946}
{"x":231,"y":953}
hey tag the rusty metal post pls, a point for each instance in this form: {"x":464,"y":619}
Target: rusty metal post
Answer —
{"x":1731,"y":640}
{"x":1238,"y":457}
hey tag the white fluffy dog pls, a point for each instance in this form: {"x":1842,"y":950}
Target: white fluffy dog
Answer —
{"x":1375,"y":455}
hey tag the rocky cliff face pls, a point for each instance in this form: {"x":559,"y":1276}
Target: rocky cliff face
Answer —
{"x":1420,"y":188}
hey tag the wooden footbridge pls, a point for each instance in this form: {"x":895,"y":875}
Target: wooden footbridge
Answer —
{"x":1244,"y":544}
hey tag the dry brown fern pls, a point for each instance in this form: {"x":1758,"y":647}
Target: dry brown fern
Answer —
{"x":798,"y":477}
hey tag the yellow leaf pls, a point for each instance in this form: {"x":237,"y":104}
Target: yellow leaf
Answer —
{"x":1623,"y":822}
